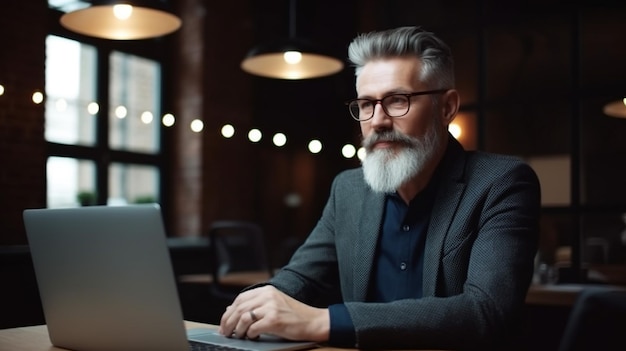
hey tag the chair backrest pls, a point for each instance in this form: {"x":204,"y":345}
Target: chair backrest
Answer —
{"x":597,"y":320}
{"x":237,"y":246}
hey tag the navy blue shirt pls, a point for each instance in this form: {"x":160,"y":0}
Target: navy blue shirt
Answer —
{"x":399,"y":260}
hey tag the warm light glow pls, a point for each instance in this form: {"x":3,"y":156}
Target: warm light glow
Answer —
{"x":1,"y":89}
{"x":254,"y":135}
{"x":37,"y":97}
{"x":455,"y":130}
{"x":61,"y":105}
{"x":122,"y":11}
{"x":279,"y":139}
{"x":348,"y":151}
{"x":361,"y":153}
{"x":228,"y":131}
{"x":120,"y":22}
{"x":315,"y":146}
{"x":168,"y":120}
{"x":197,"y":125}
{"x":292,"y":57}
{"x":93,"y":108}
{"x":147,"y":117}
{"x":275,"y":65}
{"x":121,"y":112}
{"x":616,"y":108}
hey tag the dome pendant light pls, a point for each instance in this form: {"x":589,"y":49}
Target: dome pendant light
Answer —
{"x":291,"y":59}
{"x":122,"y":20}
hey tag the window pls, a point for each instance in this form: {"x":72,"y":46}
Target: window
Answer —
{"x":102,"y":125}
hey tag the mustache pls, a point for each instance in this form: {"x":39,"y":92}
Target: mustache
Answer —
{"x":387,"y":136}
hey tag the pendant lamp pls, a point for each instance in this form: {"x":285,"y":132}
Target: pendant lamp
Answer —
{"x":294,"y":58}
{"x":122,"y":20}
{"x":616,"y":109}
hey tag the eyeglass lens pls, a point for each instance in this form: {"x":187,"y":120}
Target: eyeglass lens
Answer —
{"x":393,"y":105}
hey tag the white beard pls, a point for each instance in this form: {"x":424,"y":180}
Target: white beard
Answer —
{"x":385,"y":170}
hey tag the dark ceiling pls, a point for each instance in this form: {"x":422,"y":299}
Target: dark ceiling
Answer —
{"x":527,"y":55}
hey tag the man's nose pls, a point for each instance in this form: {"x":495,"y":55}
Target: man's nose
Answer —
{"x":380,"y":117}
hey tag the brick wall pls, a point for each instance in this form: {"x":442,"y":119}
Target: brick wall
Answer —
{"x":22,"y":145}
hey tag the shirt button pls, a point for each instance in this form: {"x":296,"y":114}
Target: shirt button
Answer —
{"x":402,"y":266}
{"x":405,"y":228}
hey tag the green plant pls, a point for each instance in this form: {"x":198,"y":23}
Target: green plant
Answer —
{"x":86,"y":198}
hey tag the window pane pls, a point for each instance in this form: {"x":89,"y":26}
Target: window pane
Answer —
{"x":71,"y":182}
{"x":133,"y":184}
{"x":135,"y":96}
{"x":70,"y":91}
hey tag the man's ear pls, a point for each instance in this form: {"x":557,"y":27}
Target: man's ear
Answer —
{"x":450,"y":105}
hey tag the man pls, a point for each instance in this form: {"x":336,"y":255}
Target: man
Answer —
{"x":426,"y":245}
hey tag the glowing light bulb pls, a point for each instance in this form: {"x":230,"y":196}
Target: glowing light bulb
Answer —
{"x":315,"y":146}
{"x":121,"y":112}
{"x":37,"y":97}
{"x":292,"y":57}
{"x":361,"y":153}
{"x":197,"y":125}
{"x":348,"y":151}
{"x":254,"y":135}
{"x":168,"y":120}
{"x":455,"y":130}
{"x":147,"y":117}
{"x":279,"y":139}
{"x":93,"y":108}
{"x":122,"y":11}
{"x":228,"y":131}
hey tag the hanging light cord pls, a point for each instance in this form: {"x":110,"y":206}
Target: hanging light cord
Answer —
{"x":292,"y":19}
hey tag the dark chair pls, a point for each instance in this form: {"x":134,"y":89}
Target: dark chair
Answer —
{"x":239,"y":257}
{"x":597,"y":321}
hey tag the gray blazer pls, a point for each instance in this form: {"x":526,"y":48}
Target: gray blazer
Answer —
{"x":478,"y":262}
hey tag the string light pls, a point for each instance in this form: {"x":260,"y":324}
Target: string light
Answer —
{"x":147,"y":117}
{"x":255,"y":135}
{"x":37,"y":97}
{"x":228,"y":131}
{"x":279,"y":139}
{"x":348,"y":151}
{"x":315,"y":146}
{"x":168,"y":120}
{"x":197,"y":125}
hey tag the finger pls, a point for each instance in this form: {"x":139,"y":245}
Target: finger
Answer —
{"x":224,"y":327}
{"x":246,"y":320}
{"x":257,"y":325}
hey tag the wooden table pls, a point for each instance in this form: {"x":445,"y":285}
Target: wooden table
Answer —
{"x":246,"y":278}
{"x":35,"y":338}
{"x":563,"y":295}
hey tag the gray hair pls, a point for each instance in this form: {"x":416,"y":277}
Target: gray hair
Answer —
{"x":435,"y":55}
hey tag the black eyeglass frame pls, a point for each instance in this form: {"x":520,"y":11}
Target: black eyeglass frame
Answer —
{"x":377,"y":101}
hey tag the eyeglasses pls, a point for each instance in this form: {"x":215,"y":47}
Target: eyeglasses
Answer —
{"x":394,"y":105}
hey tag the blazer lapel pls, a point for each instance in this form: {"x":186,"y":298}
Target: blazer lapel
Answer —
{"x":366,"y":240}
{"x":446,"y":202}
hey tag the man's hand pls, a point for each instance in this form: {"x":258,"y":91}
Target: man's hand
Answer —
{"x":267,"y":310}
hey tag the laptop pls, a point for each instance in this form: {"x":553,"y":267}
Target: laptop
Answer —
{"x":106,"y":282}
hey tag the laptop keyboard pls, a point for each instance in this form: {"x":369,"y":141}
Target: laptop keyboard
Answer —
{"x":200,"y":346}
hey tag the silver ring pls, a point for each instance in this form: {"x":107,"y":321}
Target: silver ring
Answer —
{"x":253,"y":316}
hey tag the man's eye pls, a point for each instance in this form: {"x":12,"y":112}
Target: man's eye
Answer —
{"x":396,"y":99}
{"x":365,"y":104}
